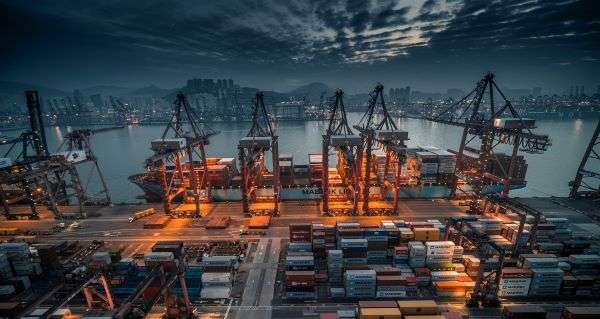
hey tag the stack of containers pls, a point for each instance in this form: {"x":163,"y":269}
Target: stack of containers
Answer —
{"x":439,"y":254}
{"x":315,"y":168}
{"x":446,"y":165}
{"x":300,"y":261}
{"x":450,"y":288}
{"x":406,"y":235}
{"x":551,"y":248}
{"x":562,"y":231}
{"x":318,"y":240}
{"x":491,"y":226}
{"x":417,"y":254}
{"x":377,"y":241}
{"x":193,"y":280}
{"x":422,"y":276}
{"x":576,"y":247}
{"x":444,"y":275}
{"x":472,"y":265}
{"x":379,"y":159}
{"x":299,"y":248}
{"x":457,"y":254}
{"x":219,"y":263}
{"x":347,"y":230}
{"x":511,"y":232}
{"x":19,"y":257}
{"x":437,"y":224}
{"x":354,"y":250}
{"x":360,"y":283}
{"x":335,"y":265}
{"x":426,"y":233}
{"x":546,"y":282}
{"x":330,"y":237}
{"x":514,"y":282}
{"x":584,"y":264}
{"x":300,"y":284}
{"x":428,"y":162}
{"x":390,"y":283}
{"x":300,"y":232}
{"x":547,"y":277}
{"x":400,"y":255}
{"x":545,"y":232}
{"x":216,"y":285}
{"x":393,"y":233}
{"x":500,"y":241}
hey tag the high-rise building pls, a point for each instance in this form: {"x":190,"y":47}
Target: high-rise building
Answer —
{"x":582,"y":91}
{"x":576,"y":90}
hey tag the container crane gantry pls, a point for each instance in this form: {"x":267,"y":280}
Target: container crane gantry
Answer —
{"x":385,"y":132}
{"x":491,"y":125}
{"x":582,"y":185}
{"x":251,"y":149}
{"x":45,"y":177}
{"x":168,"y":154}
{"x":339,"y":135}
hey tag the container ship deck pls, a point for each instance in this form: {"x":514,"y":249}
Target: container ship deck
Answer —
{"x":427,"y":173}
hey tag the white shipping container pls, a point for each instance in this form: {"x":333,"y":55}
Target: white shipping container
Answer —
{"x":159,"y":256}
{"x":216,"y":278}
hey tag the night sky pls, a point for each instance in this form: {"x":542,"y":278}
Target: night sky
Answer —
{"x":430,"y":45}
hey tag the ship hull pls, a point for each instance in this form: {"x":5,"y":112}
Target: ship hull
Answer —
{"x":153,"y":192}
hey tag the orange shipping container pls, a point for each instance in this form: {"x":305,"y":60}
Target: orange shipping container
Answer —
{"x":380,"y":313}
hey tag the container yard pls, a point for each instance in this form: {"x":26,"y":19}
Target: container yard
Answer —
{"x":365,"y":227}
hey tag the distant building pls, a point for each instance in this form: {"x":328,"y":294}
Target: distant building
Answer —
{"x":537,"y":91}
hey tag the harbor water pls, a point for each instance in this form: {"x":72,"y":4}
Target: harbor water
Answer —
{"x":121,"y":153}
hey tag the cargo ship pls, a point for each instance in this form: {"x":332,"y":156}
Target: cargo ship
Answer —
{"x":426,"y":173}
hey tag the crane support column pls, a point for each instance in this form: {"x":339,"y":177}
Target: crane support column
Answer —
{"x":165,"y":186}
{"x":511,"y":167}
{"x":590,"y":153}
{"x":193,"y":176}
{"x":367,"y":180}
{"x":397,"y":186}
{"x":186,"y":296}
{"x":325,"y":174}
{"x":244,"y":181}
{"x":276,"y":183}
{"x":459,"y":164}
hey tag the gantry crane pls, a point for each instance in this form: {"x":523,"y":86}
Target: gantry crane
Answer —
{"x":588,"y":171}
{"x":491,"y":125}
{"x":251,"y":152}
{"x":44,"y":177}
{"x":339,"y":135}
{"x":488,"y":280}
{"x":384,"y":132}
{"x":174,"y":144}
{"x":162,"y":276}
